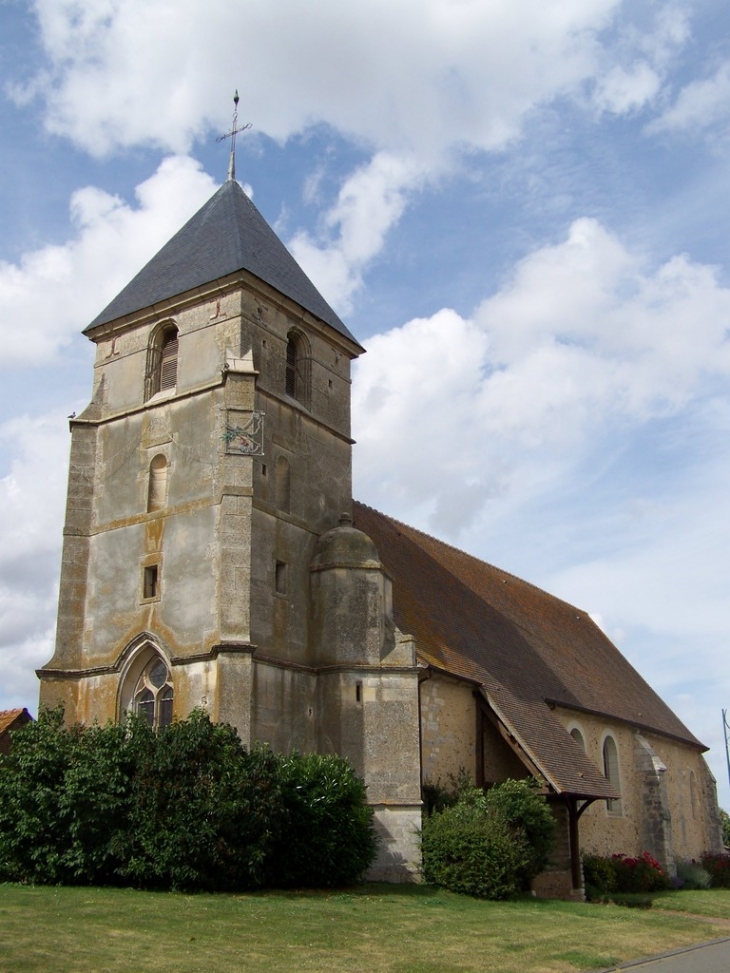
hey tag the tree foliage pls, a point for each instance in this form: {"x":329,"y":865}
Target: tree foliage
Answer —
{"x":186,"y":808}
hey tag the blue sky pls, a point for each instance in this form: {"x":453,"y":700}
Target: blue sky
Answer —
{"x":518,"y":206}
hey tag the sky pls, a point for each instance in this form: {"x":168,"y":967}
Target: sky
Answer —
{"x":520,"y":209}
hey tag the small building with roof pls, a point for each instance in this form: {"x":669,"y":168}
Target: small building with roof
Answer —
{"x":11,"y":720}
{"x":213,"y":557}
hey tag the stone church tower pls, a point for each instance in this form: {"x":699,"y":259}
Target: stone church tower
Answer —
{"x":209,"y":556}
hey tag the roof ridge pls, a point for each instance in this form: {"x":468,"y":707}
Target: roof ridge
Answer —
{"x":472,"y":557}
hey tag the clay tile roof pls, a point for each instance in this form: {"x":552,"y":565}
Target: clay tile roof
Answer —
{"x":528,"y":650}
{"x":226,"y":235}
{"x":9,"y":717}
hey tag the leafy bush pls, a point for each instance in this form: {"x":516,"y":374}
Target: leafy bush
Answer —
{"x":528,"y":819}
{"x":33,"y":826}
{"x":437,"y":797}
{"x":622,"y":873}
{"x":465,"y":850}
{"x":186,"y":808}
{"x":691,"y":875}
{"x":599,"y":875}
{"x":488,"y":844}
{"x":203,"y":809}
{"x":327,"y":836}
{"x":718,"y":867}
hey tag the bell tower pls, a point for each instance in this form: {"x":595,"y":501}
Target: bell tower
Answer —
{"x":207,"y":560}
{"x":214,"y":452}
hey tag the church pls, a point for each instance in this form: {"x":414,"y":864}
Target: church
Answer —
{"x":214,"y":557}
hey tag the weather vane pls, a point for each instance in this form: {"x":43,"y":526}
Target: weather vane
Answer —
{"x":232,"y":136}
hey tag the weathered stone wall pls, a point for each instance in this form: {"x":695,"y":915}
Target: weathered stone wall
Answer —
{"x":448,"y":728}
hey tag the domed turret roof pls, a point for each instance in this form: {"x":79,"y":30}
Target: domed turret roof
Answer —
{"x":345,"y":546}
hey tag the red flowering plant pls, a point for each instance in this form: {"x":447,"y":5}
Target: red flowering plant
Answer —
{"x":639,"y":874}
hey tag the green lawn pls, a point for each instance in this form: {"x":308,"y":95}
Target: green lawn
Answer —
{"x":372,"y":928}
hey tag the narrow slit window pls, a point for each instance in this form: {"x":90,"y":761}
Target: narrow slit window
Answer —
{"x":280,"y":577}
{"x":150,"y":581}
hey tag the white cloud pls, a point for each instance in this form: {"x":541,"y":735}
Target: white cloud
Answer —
{"x":419,"y":82}
{"x":411,"y":76}
{"x":57,"y":290}
{"x":583,"y":338}
{"x":369,"y":203}
{"x":622,"y":90}
{"x":635,"y":66}
{"x":32,"y":495}
{"x":698,"y":106}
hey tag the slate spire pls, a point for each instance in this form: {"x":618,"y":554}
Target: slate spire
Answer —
{"x":227,"y":235}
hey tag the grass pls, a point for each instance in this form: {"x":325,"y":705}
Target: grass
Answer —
{"x":374,"y":928}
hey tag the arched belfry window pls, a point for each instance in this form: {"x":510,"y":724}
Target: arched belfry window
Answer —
{"x":298,"y":368}
{"x":611,"y":772}
{"x":162,"y":361}
{"x":152,"y":696}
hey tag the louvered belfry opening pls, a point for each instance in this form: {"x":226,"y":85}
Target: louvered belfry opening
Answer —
{"x":168,"y":360}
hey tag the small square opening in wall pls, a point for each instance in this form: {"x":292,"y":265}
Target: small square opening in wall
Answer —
{"x":280,"y":577}
{"x":150,"y":581}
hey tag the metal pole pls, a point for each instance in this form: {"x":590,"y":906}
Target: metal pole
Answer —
{"x":727,"y":753}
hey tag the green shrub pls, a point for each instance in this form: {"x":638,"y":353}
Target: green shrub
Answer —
{"x":528,"y":819}
{"x":34,"y":826}
{"x":691,"y":875}
{"x":488,"y":844}
{"x":466,"y":850}
{"x":186,"y":808}
{"x":718,"y":867}
{"x":599,"y":876}
{"x":203,"y":809}
{"x":327,"y":836}
{"x":437,"y":797}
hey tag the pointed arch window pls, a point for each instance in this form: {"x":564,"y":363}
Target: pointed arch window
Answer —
{"x":162,"y":361}
{"x":153,"y":694}
{"x":298,"y":375}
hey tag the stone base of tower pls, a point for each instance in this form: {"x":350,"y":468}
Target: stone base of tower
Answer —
{"x":398,"y":829}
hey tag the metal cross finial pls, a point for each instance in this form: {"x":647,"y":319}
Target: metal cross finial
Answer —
{"x":232,"y":136}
